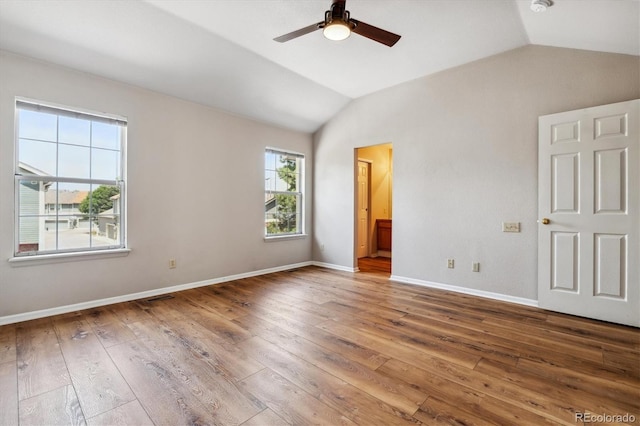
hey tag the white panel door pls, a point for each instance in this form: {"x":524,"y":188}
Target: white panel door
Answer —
{"x":363,"y":209}
{"x":589,"y":213}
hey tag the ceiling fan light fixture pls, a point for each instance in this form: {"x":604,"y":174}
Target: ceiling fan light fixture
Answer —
{"x":540,"y":5}
{"x":337,"y":30}
{"x":338,"y":25}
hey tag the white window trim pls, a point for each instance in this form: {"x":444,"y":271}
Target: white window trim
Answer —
{"x":68,"y":256}
{"x":284,"y":237}
{"x":62,"y":110}
{"x":302,"y":234}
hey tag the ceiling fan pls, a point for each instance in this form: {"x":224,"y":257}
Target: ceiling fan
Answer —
{"x":338,"y":25}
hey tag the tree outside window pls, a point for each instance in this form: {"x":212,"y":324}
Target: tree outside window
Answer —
{"x":99,"y":200}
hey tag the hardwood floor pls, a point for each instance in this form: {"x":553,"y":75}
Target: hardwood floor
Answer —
{"x":380,"y":265}
{"x":315,"y":346}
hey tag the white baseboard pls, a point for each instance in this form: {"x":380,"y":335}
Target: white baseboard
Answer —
{"x":10,"y":319}
{"x":335,"y":267}
{"x":470,"y":291}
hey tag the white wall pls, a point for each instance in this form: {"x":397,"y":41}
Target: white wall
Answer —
{"x":465,"y":160}
{"x":195,"y":192}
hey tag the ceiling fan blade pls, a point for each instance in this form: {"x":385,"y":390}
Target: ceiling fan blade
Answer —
{"x":300,"y":32}
{"x":375,"y":33}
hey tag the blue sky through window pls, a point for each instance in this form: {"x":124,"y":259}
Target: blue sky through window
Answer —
{"x":69,"y":147}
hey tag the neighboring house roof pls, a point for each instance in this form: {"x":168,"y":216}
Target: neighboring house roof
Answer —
{"x":65,"y":197}
{"x":108,"y":215}
{"x":24,"y":167}
{"x":270,"y":204}
{"x":30,"y":169}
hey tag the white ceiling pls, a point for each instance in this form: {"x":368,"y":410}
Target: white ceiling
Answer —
{"x":221,"y":52}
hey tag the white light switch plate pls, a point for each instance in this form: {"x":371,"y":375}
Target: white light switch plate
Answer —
{"x":510,"y":226}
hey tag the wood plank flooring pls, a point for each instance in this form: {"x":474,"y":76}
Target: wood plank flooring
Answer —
{"x":375,"y":264}
{"x":316,"y":346}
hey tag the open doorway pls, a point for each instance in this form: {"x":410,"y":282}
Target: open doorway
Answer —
{"x":373,"y":208}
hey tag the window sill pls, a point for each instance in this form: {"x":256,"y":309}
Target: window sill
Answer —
{"x":67,"y":257}
{"x":275,"y":238}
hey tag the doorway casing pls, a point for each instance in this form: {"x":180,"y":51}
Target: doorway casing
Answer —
{"x":380,"y":190}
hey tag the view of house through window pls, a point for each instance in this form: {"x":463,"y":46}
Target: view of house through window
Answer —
{"x":283,"y":205}
{"x":69,"y":180}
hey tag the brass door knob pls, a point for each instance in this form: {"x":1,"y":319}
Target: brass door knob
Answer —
{"x":545,"y":221}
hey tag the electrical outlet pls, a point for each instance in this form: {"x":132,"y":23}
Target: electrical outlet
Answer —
{"x":172,"y":263}
{"x":510,"y":226}
{"x":450,"y":263}
{"x":475,"y":267}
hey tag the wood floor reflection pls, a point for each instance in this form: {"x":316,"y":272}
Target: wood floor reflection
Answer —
{"x":381,"y":265}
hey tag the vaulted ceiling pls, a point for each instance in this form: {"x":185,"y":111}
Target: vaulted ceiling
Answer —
{"x":221,"y":52}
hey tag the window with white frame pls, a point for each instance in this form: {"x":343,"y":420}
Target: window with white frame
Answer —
{"x":69,"y":180}
{"x":283,"y":198}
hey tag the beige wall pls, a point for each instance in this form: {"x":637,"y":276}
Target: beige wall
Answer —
{"x":195,"y":192}
{"x":380,"y":157}
{"x":465,"y":160}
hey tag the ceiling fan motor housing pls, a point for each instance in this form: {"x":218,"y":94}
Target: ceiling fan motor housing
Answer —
{"x":339,"y":14}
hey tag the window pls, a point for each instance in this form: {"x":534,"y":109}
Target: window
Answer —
{"x":283,"y":183}
{"x":69,"y":180}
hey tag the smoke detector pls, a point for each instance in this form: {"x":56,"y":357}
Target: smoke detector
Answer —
{"x":540,"y":5}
